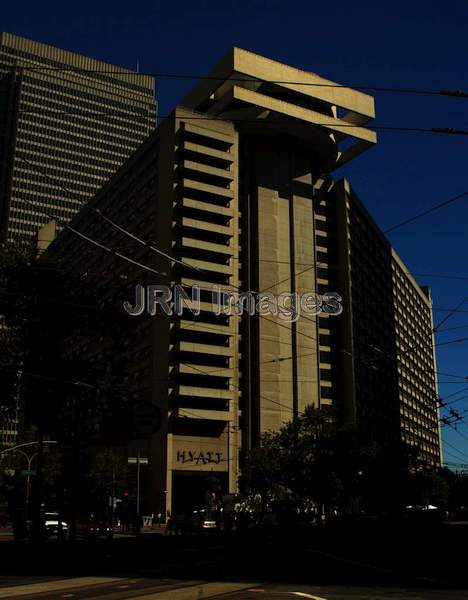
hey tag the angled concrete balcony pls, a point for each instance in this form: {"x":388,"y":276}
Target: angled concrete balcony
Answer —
{"x":188,"y":369}
{"x":207,"y":207}
{"x":204,"y":349}
{"x":190,"y":165}
{"x":228,"y":330}
{"x":205,"y":265}
{"x":191,"y":148}
{"x":197,"y":413}
{"x":207,"y":188}
{"x":209,"y":134}
{"x":189,"y":243}
{"x":192,"y":391}
{"x":204,"y":226}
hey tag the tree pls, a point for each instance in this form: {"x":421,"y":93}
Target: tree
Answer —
{"x":315,"y":459}
{"x":299,"y":463}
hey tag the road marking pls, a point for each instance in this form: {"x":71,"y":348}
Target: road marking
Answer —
{"x":439,"y":581}
{"x":350,"y":561}
{"x":67,"y":596}
{"x":55,"y":586}
{"x":123,"y":587}
{"x":383,"y":570}
{"x":304,"y":595}
{"x":255,"y":590}
{"x":195,"y":592}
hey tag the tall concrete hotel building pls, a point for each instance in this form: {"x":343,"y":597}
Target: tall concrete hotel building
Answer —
{"x":236,"y":185}
{"x":67,"y":122}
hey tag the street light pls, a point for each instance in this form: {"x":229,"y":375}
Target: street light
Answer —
{"x":26,"y":444}
{"x":29,"y":459}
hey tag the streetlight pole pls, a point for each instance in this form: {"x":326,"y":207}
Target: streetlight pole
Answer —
{"x":28,"y":478}
{"x":138,"y":494}
{"x":29,"y":460}
{"x":37,"y":532}
{"x":14,"y":448}
{"x":36,"y":513}
{"x":138,"y":460}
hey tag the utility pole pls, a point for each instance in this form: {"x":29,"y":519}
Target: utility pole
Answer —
{"x":75,"y":466}
{"x":37,"y":524}
{"x":138,"y":460}
{"x":112,"y":493}
{"x":138,"y":518}
{"x":19,"y":376}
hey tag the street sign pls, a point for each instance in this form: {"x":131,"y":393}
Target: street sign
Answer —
{"x":133,"y":460}
{"x":27,"y":472}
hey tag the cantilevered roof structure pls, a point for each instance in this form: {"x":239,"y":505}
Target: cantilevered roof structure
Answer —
{"x":251,"y":89}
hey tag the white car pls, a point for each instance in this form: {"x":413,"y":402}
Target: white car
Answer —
{"x":53,"y":525}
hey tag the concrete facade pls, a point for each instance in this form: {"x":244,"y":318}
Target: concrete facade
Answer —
{"x":67,"y":122}
{"x":236,"y":186}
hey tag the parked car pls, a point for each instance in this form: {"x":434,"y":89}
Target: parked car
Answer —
{"x":55,"y":526}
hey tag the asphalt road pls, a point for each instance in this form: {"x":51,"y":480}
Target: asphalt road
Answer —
{"x":119,"y":588}
{"x":384,"y":564}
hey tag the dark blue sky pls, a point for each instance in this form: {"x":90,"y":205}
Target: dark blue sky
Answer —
{"x":411,"y":44}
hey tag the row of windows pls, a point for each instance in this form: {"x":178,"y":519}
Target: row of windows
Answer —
{"x":87,"y":138}
{"x":406,"y":288}
{"x":28,"y":175}
{"x":25,"y":226}
{"x":60,"y":138}
{"x":66,"y":183}
{"x":44,"y":108}
{"x":424,"y":378}
{"x":412,"y":317}
{"x":122,"y":83}
{"x":68,"y":90}
{"x":98,"y":168}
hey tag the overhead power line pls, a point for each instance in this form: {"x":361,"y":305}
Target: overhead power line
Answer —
{"x":452,"y":312}
{"x":461,"y":277}
{"x":445,"y":404}
{"x":453,"y":328}
{"x":465,"y":456}
{"x":434,"y":208}
{"x":288,"y":408}
{"x":465,"y":377}
{"x":427,"y":212}
{"x":91,"y":240}
{"x":461,"y":434}
{"x":454,"y":93}
{"x":342,"y":125}
{"x":154,"y":248}
{"x":433,"y":330}
{"x":75,"y":382}
{"x":144,"y":242}
{"x":455,"y":393}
